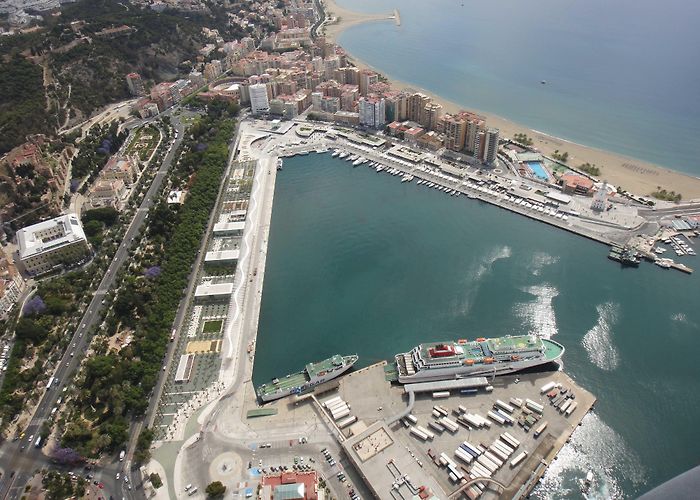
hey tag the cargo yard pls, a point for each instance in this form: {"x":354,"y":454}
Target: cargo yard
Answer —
{"x":504,"y":431}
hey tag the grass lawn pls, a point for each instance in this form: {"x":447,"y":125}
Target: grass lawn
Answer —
{"x":144,"y":142}
{"x":213,"y":326}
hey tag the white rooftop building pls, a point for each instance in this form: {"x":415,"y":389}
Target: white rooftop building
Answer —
{"x":259,"y":102}
{"x":54,"y":242}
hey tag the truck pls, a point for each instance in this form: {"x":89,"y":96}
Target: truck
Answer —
{"x":48,"y":386}
{"x":37,"y":443}
{"x":547,"y":387}
{"x":122,"y":454}
{"x":418,"y":433}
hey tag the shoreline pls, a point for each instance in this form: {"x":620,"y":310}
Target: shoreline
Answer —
{"x":632,"y":174}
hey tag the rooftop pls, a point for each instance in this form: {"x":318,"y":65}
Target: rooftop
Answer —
{"x":64,"y":230}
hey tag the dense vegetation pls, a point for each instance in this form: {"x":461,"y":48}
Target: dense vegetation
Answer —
{"x":215,"y":490}
{"x":662,"y":194}
{"x":115,"y":386}
{"x":560,"y":157}
{"x":42,"y":327}
{"x":58,"y":486}
{"x":590,"y":169}
{"x":96,"y":221}
{"x":98,"y":145}
{"x":523,"y":139}
{"x":160,"y":46}
{"x":22,"y":102}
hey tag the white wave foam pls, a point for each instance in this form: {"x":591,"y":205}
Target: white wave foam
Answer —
{"x":679,"y":317}
{"x":598,"y":340}
{"x":597,"y":447}
{"x":540,"y":260}
{"x":539,"y":314}
{"x":477,"y":272}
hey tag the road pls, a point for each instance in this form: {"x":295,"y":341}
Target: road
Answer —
{"x":22,"y":457}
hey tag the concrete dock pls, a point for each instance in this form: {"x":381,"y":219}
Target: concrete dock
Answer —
{"x":375,"y":401}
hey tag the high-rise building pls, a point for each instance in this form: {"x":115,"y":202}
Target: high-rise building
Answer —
{"x":455,"y":130}
{"x":491,"y":146}
{"x":367,"y":78}
{"x":415,"y":105}
{"x":372,"y":111}
{"x":474,"y":127}
{"x":259,"y":101}
{"x":135,"y":84}
{"x":431,"y":114}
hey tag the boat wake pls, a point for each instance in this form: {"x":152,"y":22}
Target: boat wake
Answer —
{"x":477,"y":272}
{"x":598,"y":340}
{"x":539,"y":315}
{"x":597,"y":447}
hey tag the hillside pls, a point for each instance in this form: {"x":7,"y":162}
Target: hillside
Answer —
{"x":77,"y":61}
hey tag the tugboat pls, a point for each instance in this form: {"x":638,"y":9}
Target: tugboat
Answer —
{"x":279,"y":164}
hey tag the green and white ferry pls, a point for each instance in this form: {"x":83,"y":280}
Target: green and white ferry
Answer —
{"x":464,"y":358}
{"x":312,"y":375}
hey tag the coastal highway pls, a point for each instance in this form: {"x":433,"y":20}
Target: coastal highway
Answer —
{"x":20,"y":459}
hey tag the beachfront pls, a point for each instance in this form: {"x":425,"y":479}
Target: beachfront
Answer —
{"x":631,"y":174}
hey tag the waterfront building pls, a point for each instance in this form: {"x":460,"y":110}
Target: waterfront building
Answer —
{"x":576,"y":183}
{"x":415,"y":106}
{"x":55,"y":242}
{"x":135,"y":84}
{"x":259,"y":101}
{"x":396,"y":106}
{"x":600,"y":199}
{"x":367,"y":78}
{"x":455,"y":130}
{"x":372,"y":111}
{"x":475,"y":126}
{"x":490,"y":146}
{"x":432,"y":112}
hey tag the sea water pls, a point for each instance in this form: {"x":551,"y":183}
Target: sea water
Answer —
{"x":622,"y":76}
{"x":359,"y":262}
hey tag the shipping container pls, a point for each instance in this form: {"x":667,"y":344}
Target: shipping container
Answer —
{"x":473,"y":420}
{"x":547,"y":387}
{"x":516,"y":402}
{"x":412,"y":418}
{"x":493,"y":458}
{"x":437,"y":414}
{"x":497,"y":452}
{"x":565,"y":406}
{"x":441,"y":409}
{"x":509,"y":420}
{"x":347,"y":421}
{"x":463,"y":455}
{"x":436,"y":426}
{"x":536,"y":407}
{"x":420,"y":435}
{"x":425,"y":431}
{"x":449,"y":424}
{"x":468,"y":448}
{"x":331,"y":401}
{"x":468,"y":391}
{"x":571,"y":408}
{"x":540,"y":429}
{"x":518,"y":459}
{"x":503,"y":447}
{"x":462,"y":409}
{"x":487,"y":463}
{"x":497,"y":418}
{"x":441,"y":394}
{"x":480,"y":471}
{"x":342,"y":414}
{"x":511,"y":440}
{"x":503,"y":406}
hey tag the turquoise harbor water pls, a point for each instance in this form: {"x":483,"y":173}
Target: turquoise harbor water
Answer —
{"x":621,"y":76}
{"x":361,"y":263}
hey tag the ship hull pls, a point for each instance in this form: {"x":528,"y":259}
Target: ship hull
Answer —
{"x":464,"y":371}
{"x":266,"y":398}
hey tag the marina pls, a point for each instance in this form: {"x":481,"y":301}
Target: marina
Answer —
{"x":487,"y":186}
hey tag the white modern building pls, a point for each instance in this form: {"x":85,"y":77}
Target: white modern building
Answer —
{"x":54,"y":242}
{"x":259,"y":102}
{"x":372,"y":112}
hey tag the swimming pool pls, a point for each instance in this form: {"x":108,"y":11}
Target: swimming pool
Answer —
{"x":538,"y":169}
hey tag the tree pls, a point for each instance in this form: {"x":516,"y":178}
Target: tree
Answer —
{"x":156,"y":481}
{"x":216,"y":490}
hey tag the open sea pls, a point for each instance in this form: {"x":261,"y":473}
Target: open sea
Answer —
{"x":622,"y":76}
{"x":360,"y":263}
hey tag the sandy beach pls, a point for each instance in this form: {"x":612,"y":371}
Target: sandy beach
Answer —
{"x":632,"y":174}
